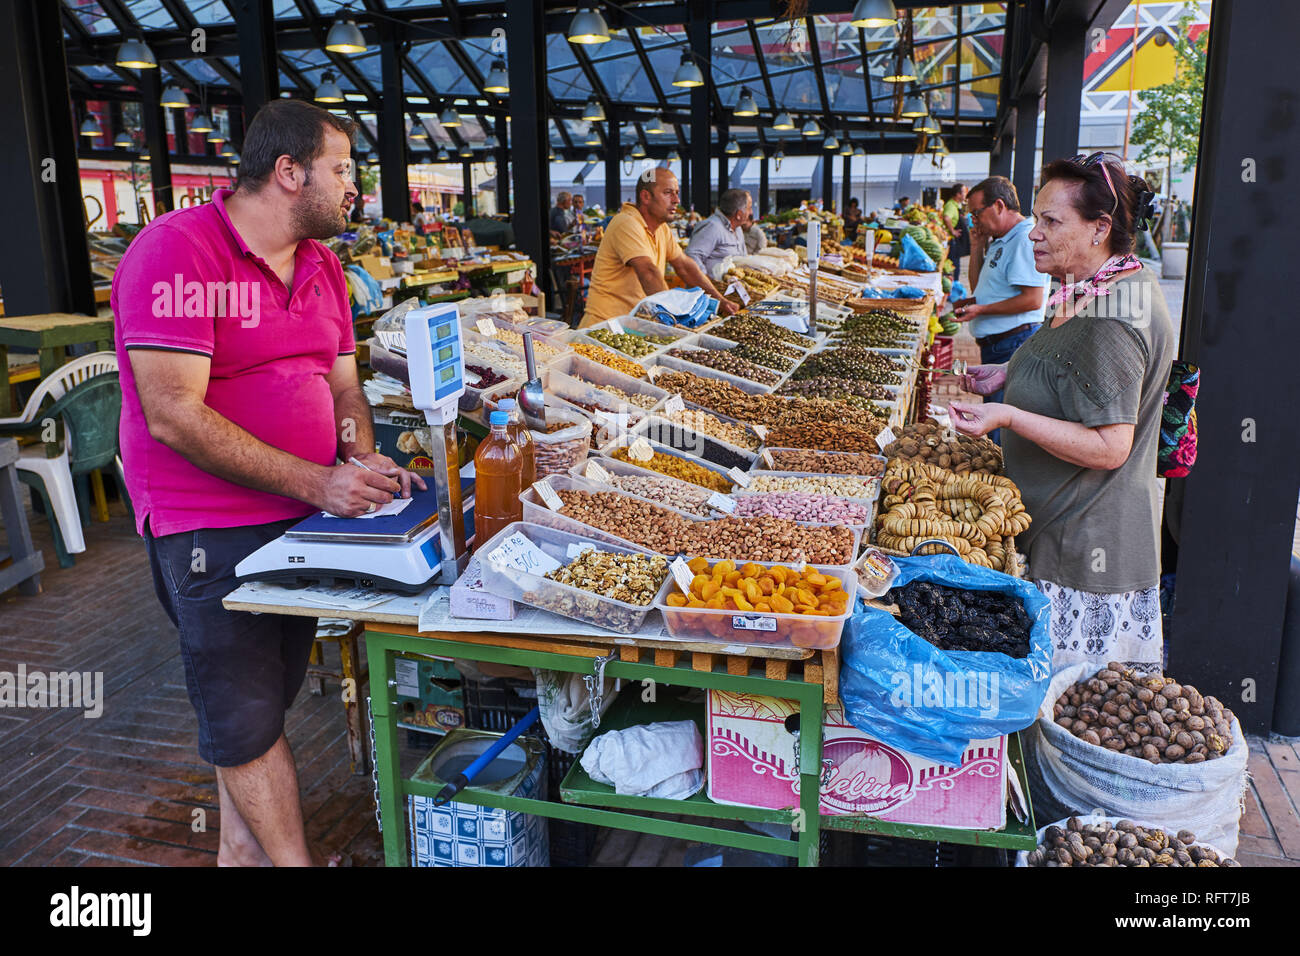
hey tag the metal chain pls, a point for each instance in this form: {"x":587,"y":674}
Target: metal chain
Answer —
{"x":596,"y":687}
{"x":374,"y":763}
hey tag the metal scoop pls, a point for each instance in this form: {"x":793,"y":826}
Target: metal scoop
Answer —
{"x":532,"y":403}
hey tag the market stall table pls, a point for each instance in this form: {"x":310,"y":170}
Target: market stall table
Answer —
{"x":48,"y":335}
{"x":809,"y":678}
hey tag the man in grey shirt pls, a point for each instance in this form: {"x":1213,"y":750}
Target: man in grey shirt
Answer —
{"x":721,"y":234}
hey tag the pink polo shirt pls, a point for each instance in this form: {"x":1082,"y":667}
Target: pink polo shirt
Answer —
{"x":189,"y":283}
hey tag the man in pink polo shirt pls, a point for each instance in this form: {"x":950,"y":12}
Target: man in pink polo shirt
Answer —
{"x":239,"y":398}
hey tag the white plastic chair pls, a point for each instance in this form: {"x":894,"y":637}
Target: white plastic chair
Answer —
{"x":54,"y":472}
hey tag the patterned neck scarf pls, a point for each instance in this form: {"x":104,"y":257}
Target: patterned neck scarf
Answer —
{"x":1092,"y":286}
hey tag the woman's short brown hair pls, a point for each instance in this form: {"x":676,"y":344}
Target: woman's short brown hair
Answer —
{"x":1094,"y":199}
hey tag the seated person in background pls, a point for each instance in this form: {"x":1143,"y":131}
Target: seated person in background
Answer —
{"x":755,"y":237}
{"x":852,"y":219}
{"x":721,"y":235}
{"x":636,"y":247}
{"x":576,"y":210}
{"x":561,"y":217}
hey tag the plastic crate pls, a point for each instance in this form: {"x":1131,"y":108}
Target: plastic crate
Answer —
{"x":942,"y":351}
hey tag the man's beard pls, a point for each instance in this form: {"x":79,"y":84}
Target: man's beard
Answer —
{"x":315,"y":217}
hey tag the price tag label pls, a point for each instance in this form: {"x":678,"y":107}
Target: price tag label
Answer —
{"x":654,"y":372}
{"x":739,"y":290}
{"x":596,"y":473}
{"x":519,"y":554}
{"x":616,"y":326}
{"x":752,"y":622}
{"x":768,"y":459}
{"x":760,"y":431}
{"x":674,"y":405}
{"x":640,"y":450}
{"x":486,"y":327}
{"x":577,"y":548}
{"x":723,"y":503}
{"x":738,"y":477}
{"x":885,"y":438}
{"x":682,"y":574}
{"x":552,"y":500}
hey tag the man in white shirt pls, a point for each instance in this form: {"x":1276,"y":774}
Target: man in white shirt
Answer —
{"x":721,"y":234}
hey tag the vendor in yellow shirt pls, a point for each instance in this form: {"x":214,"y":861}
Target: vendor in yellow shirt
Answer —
{"x":638,"y":242}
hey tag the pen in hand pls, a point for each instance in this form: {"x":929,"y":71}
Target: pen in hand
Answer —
{"x":353,"y":461}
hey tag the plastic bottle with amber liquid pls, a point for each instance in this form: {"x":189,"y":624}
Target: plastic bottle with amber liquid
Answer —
{"x":523,"y":438}
{"x":498,"y":470}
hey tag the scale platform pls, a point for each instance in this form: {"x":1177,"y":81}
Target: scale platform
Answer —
{"x":401,"y":552}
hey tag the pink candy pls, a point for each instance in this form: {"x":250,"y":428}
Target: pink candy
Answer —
{"x":803,"y":506}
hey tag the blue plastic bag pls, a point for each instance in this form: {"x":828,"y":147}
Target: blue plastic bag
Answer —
{"x":958,"y":291}
{"x":906,"y":692}
{"x":913,"y":257}
{"x":908,"y":292}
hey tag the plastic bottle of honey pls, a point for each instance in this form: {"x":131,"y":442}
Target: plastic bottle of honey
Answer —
{"x":523,"y":438}
{"x":498,"y":466}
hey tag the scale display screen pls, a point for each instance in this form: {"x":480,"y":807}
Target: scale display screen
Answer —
{"x":445,"y":353}
{"x":447,"y":374}
{"x":442,"y":332}
{"x":434,"y":356}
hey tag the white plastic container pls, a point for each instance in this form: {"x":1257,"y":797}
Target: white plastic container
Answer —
{"x":762,"y":463}
{"x":540,"y":591}
{"x":626,"y":440}
{"x":584,"y":370}
{"x":673,"y":361}
{"x":622,"y":469}
{"x":770,"y":481}
{"x":639,"y":327}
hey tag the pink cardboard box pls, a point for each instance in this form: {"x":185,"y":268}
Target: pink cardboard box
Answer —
{"x":751,"y":763}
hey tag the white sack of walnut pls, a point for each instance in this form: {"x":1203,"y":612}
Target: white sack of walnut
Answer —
{"x":1070,"y":774}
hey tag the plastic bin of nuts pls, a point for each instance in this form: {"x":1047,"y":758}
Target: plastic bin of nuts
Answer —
{"x":807,"y":506}
{"x":536,"y":512}
{"x":565,"y":446}
{"x":866,"y":487}
{"x":741,"y":603}
{"x":672,"y":462}
{"x":597,"y":570}
{"x":815,"y":461}
{"x":689,"y":441}
{"x":691,"y":500}
{"x":639,"y":338}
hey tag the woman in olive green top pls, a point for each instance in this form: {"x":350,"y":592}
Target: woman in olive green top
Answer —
{"x":1081,"y":418}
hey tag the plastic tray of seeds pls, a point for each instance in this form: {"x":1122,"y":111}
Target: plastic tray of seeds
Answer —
{"x":637,"y":391}
{"x":639,"y":334}
{"x":522,"y":545}
{"x":769,"y":378}
{"x":721,"y":482}
{"x":610,"y":415}
{"x":480,"y":349}
{"x":536,"y":511}
{"x":547,"y":349}
{"x":780,"y":358}
{"x":748,"y":614}
{"x":813,"y":461}
{"x":866,"y":487}
{"x":685,"y":439}
{"x":551,"y":332}
{"x":660,"y":490}
{"x":473,"y":396}
{"x":704,"y":371}
{"x":793,"y":505}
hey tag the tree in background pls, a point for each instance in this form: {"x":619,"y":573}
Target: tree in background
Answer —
{"x":1169,"y":124}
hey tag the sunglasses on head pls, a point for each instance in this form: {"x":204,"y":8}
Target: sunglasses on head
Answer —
{"x":1099,"y":159}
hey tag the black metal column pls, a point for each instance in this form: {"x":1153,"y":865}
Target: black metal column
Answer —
{"x":392,"y":130}
{"x":724,"y":173}
{"x":828,"y":179}
{"x":259,"y":73}
{"x":764,"y":188}
{"x":1026,"y":146}
{"x":467,"y":186}
{"x":44,"y":260}
{"x":613,"y":159}
{"x":503,"y":165}
{"x":1065,"y":53}
{"x":1000,"y":160}
{"x":155,"y":137}
{"x":532,"y":172}
{"x":1238,"y":511}
{"x":699,"y":36}
{"x":846,"y":187}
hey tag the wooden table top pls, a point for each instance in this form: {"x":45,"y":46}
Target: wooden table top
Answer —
{"x":49,"y":321}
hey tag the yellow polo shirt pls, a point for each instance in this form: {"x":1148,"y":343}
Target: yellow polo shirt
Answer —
{"x":615,"y":289}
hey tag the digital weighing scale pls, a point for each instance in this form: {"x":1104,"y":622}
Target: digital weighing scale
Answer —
{"x":405,"y":551}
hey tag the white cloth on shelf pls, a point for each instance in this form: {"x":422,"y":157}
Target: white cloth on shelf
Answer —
{"x":649,"y":760}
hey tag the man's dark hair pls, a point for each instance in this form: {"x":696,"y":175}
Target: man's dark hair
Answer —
{"x":418,"y":207}
{"x":286,"y":127}
{"x":995,"y":188}
{"x":646,"y":182}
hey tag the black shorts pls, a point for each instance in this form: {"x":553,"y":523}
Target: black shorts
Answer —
{"x":242,"y":670}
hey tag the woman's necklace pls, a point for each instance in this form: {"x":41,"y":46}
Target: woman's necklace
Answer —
{"x":1094,"y":284}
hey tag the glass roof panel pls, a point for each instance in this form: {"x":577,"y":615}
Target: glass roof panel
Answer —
{"x":151,"y":15}
{"x":97,"y":71}
{"x":568,"y":84}
{"x":440,"y":69}
{"x":202,"y":71}
{"x":91,"y":15}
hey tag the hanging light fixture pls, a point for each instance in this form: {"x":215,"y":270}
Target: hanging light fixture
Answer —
{"x":201,"y":123}
{"x":145,"y":155}
{"x":593,"y":112}
{"x":757,"y":153}
{"x":216,"y":136}
{"x":732,"y":148}
{"x":449,"y":117}
{"x":465,"y":152}
{"x":442,"y":156}
{"x":688,"y":75}
{"x":638,"y":151}
{"x":779,"y":158}
{"x":90,"y":127}
{"x":811,"y":128}
{"x":905,"y":72}
{"x":746,"y":106}
{"x":372,"y":159}
{"x":674,"y":157}
{"x":551,"y":154}
{"x":913,"y":107}
{"x":846,"y":148}
{"x":234,"y":159}
{"x":593,"y":136}
{"x":123,"y":140}
{"x":417,"y":130}
{"x":925,"y":124}
{"x":491,"y":142}
{"x":782,"y":121}
{"x":345,"y":37}
{"x":655,"y":127}
{"x":174,"y":97}
{"x":588,"y":26}
{"x":830,"y":142}
{"x":498,"y":80}
{"x":328,"y":91}
{"x":874,"y":13}
{"x":859,"y":151}
{"x":228,"y":150}
{"x":136,"y":55}
{"x":593,"y":158}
